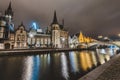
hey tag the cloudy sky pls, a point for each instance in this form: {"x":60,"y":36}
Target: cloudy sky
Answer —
{"x":92,"y":17}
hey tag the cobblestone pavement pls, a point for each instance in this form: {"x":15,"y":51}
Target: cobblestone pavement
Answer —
{"x":112,"y":72}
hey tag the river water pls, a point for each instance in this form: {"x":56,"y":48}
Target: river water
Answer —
{"x":52,"y":66}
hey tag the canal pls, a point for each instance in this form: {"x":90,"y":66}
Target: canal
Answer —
{"x":53,"y":66}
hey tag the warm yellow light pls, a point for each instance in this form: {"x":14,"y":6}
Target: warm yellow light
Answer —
{"x":94,"y":58}
{"x":119,"y":34}
{"x":107,"y":57}
{"x":101,"y":58}
{"x":88,"y":60}
{"x":83,"y":61}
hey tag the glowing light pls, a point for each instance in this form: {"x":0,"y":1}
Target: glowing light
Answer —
{"x":111,"y":51}
{"x":27,"y":70}
{"x":64,"y":66}
{"x":101,"y":59}
{"x":107,"y":57}
{"x":31,"y":35}
{"x":102,"y":51}
{"x":34,"y":26}
{"x":11,"y":26}
{"x":101,"y":56}
{"x":94,"y":58}
{"x":36,"y":68}
{"x":85,"y":60}
{"x":100,"y":36}
{"x":48,"y":58}
{"x":119,"y":34}
{"x":73,"y":62}
{"x":88,"y":60}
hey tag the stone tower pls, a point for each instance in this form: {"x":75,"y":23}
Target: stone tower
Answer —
{"x":55,"y":32}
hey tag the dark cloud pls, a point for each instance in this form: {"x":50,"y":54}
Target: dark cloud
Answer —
{"x":90,"y":16}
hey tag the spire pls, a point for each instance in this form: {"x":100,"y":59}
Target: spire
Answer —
{"x":9,"y":7}
{"x":55,"y":18}
{"x":9,"y":10}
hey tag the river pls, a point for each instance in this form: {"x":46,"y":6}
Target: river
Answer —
{"x":53,"y":66}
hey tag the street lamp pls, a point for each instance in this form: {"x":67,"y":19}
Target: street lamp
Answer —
{"x":31,"y":36}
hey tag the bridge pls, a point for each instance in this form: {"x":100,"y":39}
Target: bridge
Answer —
{"x":109,"y":70}
{"x":96,"y":44}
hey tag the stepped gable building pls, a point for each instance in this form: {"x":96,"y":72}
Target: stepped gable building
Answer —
{"x":21,"y":37}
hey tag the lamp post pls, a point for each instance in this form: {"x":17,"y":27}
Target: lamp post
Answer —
{"x":31,"y":36}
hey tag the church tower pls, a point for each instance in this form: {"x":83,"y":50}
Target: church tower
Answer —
{"x":9,"y":13}
{"x":9,"y":17}
{"x":55,"y":30}
{"x":5,"y":23}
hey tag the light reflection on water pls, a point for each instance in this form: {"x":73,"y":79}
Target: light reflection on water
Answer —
{"x":64,"y":66}
{"x":73,"y":62}
{"x":27,"y":68}
{"x":53,"y":66}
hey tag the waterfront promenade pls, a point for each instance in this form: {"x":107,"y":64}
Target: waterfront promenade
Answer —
{"x":11,"y":52}
{"x":108,"y":71}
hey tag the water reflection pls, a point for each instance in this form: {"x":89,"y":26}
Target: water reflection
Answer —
{"x":44,"y":67}
{"x":73,"y":62}
{"x":36,"y":67}
{"x":104,"y":54}
{"x":64,"y":66}
{"x":94,"y":58}
{"x":53,"y":66}
{"x":27,"y":68}
{"x":85,"y":60}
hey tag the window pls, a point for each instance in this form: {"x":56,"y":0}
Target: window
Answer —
{"x":18,"y":37}
{"x":22,"y":37}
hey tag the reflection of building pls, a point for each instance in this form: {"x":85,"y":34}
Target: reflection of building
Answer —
{"x":21,"y":37}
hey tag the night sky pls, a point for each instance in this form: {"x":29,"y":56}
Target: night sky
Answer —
{"x":92,"y":17}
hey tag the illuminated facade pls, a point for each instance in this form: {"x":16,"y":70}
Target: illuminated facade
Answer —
{"x":7,"y":29}
{"x":20,"y":37}
{"x":84,"y":39}
{"x":54,"y":37}
{"x":38,"y":39}
{"x":59,"y":36}
{"x":74,"y":42}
